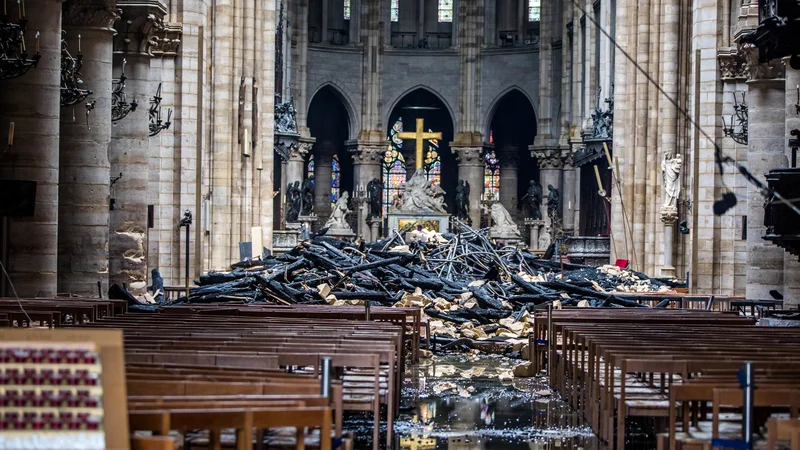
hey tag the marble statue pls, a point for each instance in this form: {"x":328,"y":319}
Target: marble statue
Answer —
{"x":293,"y":199}
{"x":338,"y":219}
{"x":307,"y":199}
{"x":285,"y":116}
{"x":671,"y":172}
{"x":534,"y":196}
{"x":375,"y":197}
{"x":462,"y":199}
{"x":502,"y":223}
{"x":544,"y":240}
{"x":420,"y":196}
{"x":553,"y":200}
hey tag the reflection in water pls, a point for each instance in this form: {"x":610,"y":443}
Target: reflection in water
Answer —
{"x":460,"y":403}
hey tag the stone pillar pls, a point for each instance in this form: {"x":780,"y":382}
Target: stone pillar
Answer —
{"x":367,"y":159}
{"x":323,"y":177}
{"x":522,"y":19}
{"x":508,"y":157}
{"x":568,"y":195}
{"x":470,"y":169}
{"x":420,"y":20}
{"x":84,"y":175}
{"x":668,"y":217}
{"x":294,"y":167}
{"x":325,"y":8}
{"x":32,"y":103}
{"x":129,"y":153}
{"x":550,"y":164}
{"x":765,"y":151}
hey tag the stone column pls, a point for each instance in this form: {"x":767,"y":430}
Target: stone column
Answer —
{"x":129,"y":153}
{"x":470,"y":169}
{"x":508,"y":157}
{"x":765,"y":151}
{"x":84,"y":175}
{"x":32,"y":103}
{"x":568,"y":195}
{"x":420,"y":20}
{"x":325,"y":8}
{"x":668,"y":217}
{"x":550,"y":164}
{"x":367,"y":159}
{"x":323,"y":177}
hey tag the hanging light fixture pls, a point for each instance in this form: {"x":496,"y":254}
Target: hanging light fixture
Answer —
{"x":72,"y":91}
{"x":156,"y":124}
{"x":120,"y":107}
{"x":14,"y":58}
{"x":738,"y":126}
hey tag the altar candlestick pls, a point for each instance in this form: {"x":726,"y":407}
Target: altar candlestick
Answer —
{"x":124,"y":61}
{"x":79,"y":43}
{"x":37,"y":42}
{"x":11,"y":134}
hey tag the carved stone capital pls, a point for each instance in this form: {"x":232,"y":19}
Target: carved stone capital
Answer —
{"x":669,"y":215}
{"x":770,"y":70}
{"x":468,"y":156}
{"x":99,"y":14}
{"x":300,"y":150}
{"x":566,"y":158}
{"x":732,"y":66}
{"x":508,"y":156}
{"x":167,"y":41}
{"x":368,"y":154}
{"x":549,"y":158}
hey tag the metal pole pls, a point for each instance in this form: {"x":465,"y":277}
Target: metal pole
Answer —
{"x":325,"y":379}
{"x":749,"y":393}
{"x":550,"y":336}
{"x":187,"y":259}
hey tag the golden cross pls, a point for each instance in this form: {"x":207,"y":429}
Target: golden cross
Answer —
{"x":420,"y":136}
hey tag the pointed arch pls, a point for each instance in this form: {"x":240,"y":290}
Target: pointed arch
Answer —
{"x":490,"y":113}
{"x":403,"y":95}
{"x":352,"y":117}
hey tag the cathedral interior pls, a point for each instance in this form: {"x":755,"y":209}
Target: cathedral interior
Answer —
{"x":530,"y":179}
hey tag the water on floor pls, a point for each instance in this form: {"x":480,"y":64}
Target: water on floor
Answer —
{"x":460,"y":402}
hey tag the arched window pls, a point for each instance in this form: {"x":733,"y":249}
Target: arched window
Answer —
{"x":445,"y":10}
{"x":491,"y":176}
{"x":534,"y":10}
{"x":335,"y":176}
{"x":395,"y":10}
{"x":394,"y":167}
{"x":433,"y":163}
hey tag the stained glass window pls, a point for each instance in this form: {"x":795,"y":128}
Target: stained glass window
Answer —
{"x":491,"y":137}
{"x":491,"y":176}
{"x":534,"y":10}
{"x":346,"y":9}
{"x":394,"y":165}
{"x":445,"y":10}
{"x":335,"y":176}
{"x":433,"y":163}
{"x":395,"y":10}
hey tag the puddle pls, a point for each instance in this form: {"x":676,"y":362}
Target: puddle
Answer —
{"x":464,"y":402}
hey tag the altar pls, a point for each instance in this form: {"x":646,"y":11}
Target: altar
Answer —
{"x":421,"y":205}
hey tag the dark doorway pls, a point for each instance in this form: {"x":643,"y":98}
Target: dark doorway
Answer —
{"x":329,"y":123}
{"x":594,"y":208}
{"x":514,"y":123}
{"x":423,"y":104}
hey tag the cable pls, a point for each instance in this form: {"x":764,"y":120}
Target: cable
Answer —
{"x":11,"y":283}
{"x":719,"y":156}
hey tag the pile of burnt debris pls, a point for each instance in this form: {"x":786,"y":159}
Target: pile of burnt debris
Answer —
{"x":468,"y":286}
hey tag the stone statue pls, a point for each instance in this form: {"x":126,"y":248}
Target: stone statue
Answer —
{"x":534,"y":196}
{"x":285,"y":116}
{"x":338,"y":219}
{"x":462,"y":199}
{"x":544,"y":239}
{"x":503,"y":225}
{"x":307,"y":198}
{"x":293,"y":197}
{"x":671,"y":171}
{"x":421,"y":196}
{"x":375,"y":197}
{"x":552,"y":201}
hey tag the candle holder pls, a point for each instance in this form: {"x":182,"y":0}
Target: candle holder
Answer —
{"x":156,"y":124}
{"x":120,"y":107}
{"x":14,"y":58}
{"x":738,"y":126}
{"x":72,"y":92}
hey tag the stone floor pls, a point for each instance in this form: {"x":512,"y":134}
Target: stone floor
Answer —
{"x":471,"y":402}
